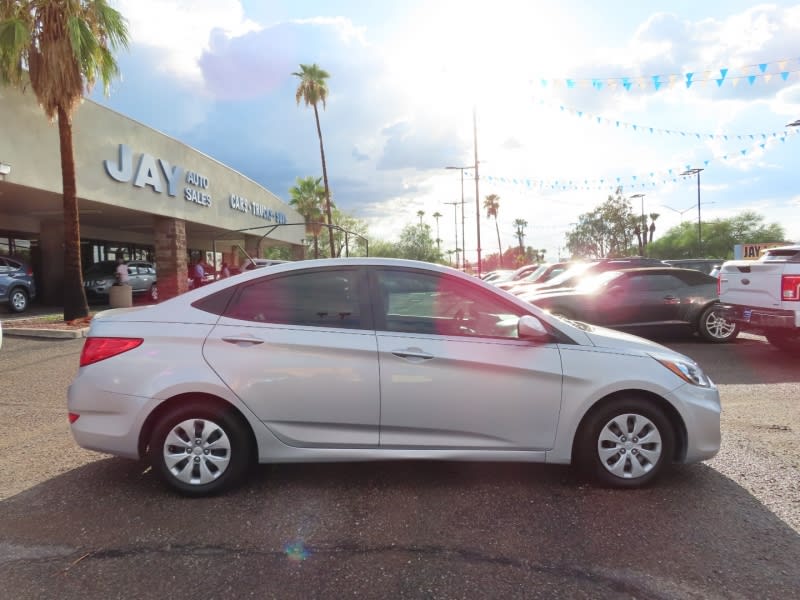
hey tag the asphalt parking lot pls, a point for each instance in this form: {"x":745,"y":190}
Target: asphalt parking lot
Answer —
{"x":77,"y":524}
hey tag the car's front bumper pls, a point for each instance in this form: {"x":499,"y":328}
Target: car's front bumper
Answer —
{"x":700,"y":411}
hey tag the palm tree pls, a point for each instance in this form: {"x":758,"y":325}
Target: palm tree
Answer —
{"x":312,"y":90}
{"x":62,"y":48}
{"x":307,"y":197}
{"x":521,"y":224}
{"x":437,"y":215}
{"x":492,"y":206}
{"x":420,"y":214}
{"x":653,"y":217}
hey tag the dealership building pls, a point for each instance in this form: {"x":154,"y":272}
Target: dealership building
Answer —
{"x":142,"y":195}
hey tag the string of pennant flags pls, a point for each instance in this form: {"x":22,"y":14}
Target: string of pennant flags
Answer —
{"x":619,"y":124}
{"x":637,"y":181}
{"x":779,"y":70}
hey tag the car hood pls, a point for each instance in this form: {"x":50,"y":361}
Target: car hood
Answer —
{"x":626,"y":343}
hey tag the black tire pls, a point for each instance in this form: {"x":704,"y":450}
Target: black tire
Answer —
{"x":789,"y":341}
{"x":210,"y":449}
{"x":18,"y":300}
{"x":626,"y":460}
{"x":713,"y":328}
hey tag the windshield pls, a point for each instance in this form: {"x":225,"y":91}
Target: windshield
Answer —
{"x":569,"y":274}
{"x":593,"y":283}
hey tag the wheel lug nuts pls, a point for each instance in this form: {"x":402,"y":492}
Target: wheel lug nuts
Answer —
{"x":205,"y":451}
{"x":197,"y":459}
{"x":622,"y":450}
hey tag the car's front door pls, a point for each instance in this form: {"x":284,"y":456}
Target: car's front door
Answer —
{"x":642,"y":297}
{"x":453,"y":373}
{"x":300,"y":352}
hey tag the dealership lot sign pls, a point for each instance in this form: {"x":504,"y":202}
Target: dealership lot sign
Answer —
{"x":160,"y":176}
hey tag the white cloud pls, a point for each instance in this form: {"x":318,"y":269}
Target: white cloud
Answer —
{"x":180,"y":29}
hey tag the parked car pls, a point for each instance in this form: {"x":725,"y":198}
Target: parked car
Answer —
{"x":541,"y":275}
{"x":17,"y":284}
{"x":377,"y":359}
{"x":497,"y":275}
{"x":99,"y":278}
{"x":704,"y":265}
{"x":644,"y":300}
{"x":764,"y":295}
{"x":573,"y":275}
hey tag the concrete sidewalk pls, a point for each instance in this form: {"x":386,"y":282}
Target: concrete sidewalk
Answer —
{"x":41,"y":330}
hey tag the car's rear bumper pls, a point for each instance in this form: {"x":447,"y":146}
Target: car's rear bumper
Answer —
{"x":760,"y":317}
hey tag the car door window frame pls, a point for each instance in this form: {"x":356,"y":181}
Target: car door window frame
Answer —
{"x":458,"y":285}
{"x":365,"y":318}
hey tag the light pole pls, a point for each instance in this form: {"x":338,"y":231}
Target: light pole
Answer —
{"x":643,"y":226}
{"x":477,"y":192}
{"x":455,"y":223}
{"x":463,"y":237}
{"x":697,"y":171}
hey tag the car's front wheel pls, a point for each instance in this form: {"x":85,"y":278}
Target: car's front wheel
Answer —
{"x":714,"y":328}
{"x":18,"y":300}
{"x":625,"y":443}
{"x":201,"y":450}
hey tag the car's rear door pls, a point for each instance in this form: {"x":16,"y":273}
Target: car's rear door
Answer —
{"x":300,"y":351}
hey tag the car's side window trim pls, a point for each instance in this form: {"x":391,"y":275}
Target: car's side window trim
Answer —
{"x":365,"y":319}
{"x":380,"y":317}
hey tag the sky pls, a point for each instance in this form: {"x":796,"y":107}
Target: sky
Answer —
{"x":566,"y":99}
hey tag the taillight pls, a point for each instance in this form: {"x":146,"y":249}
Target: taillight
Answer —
{"x":96,"y":349}
{"x":73,"y":417}
{"x":790,"y":288}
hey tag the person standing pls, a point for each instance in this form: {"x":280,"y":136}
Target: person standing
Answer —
{"x":198,"y":273}
{"x":121,"y":272}
{"x":224,"y":272}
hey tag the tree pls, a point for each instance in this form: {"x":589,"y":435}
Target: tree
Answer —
{"x":416,"y":243}
{"x":437,"y":215}
{"x":313,"y":89}
{"x":607,"y":231}
{"x":492,"y":206}
{"x":62,"y":47}
{"x":719,"y":237}
{"x":307,"y":197}
{"x":521,"y":224}
{"x":420,"y":214}
{"x":350,"y":234}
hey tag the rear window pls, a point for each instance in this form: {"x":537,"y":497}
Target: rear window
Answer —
{"x":782,"y":255}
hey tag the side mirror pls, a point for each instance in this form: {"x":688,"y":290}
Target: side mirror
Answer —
{"x":531,"y":328}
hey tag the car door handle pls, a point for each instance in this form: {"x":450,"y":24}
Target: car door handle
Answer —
{"x":245,"y":339}
{"x":412,"y":353}
{"x":670,"y":299}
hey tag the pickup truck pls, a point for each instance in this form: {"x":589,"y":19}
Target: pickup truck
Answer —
{"x":764,"y":295}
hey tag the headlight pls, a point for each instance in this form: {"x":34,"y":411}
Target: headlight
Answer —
{"x":688,"y":371}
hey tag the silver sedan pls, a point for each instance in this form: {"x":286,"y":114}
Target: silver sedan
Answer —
{"x":376,"y":359}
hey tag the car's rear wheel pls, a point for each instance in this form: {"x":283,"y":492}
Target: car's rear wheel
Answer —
{"x":784,"y":340}
{"x":625,"y":443}
{"x":18,"y":300}
{"x":714,"y":328}
{"x":201,"y":450}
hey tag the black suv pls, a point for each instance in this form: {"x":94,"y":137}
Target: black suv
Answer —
{"x":17,"y":286}
{"x":99,"y":278}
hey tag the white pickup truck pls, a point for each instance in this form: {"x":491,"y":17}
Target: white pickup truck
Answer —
{"x":764,"y":295}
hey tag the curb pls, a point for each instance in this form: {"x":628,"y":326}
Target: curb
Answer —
{"x":60,"y":334}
